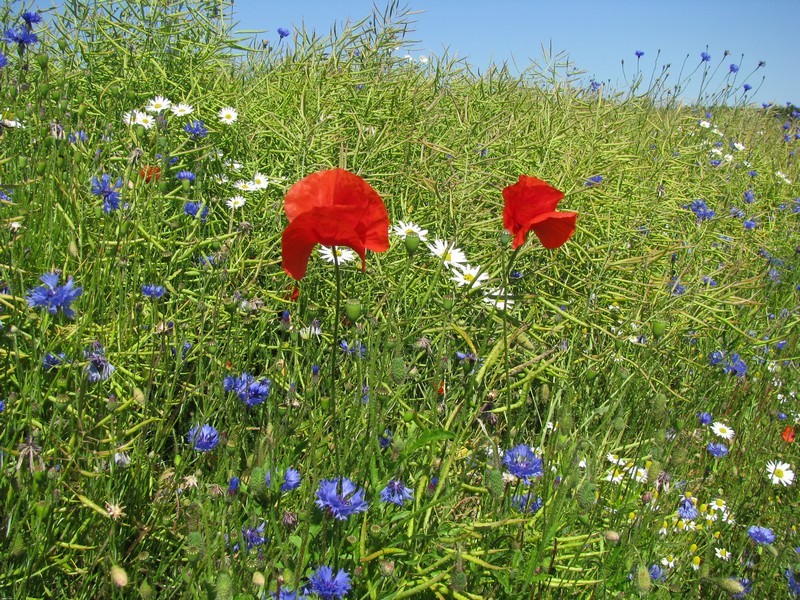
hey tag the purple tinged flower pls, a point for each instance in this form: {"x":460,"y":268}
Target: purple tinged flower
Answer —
{"x":109,"y":193}
{"x":717,"y":449}
{"x":709,"y":281}
{"x":283,"y":32}
{"x":749,"y":224}
{"x":185,"y":176}
{"x":794,"y":584}
{"x":254,"y":536}
{"x":527,"y":503}
{"x":203,"y":438}
{"x":704,"y":417}
{"x":340,"y":498}
{"x":593,"y":180}
{"x":285,"y":594}
{"x":53,"y":297}
{"x":197,"y":129}
{"x":78,"y":137}
{"x":687,"y":510}
{"x":20,"y":36}
{"x":705,"y":57}
{"x":639,"y":54}
{"x":657,"y":573}
{"x":715,"y":162}
{"x":31,"y":18}
{"x":747,"y":87}
{"x":98,"y":368}
{"x":326,"y":585}
{"x":3,"y":60}
{"x":192,"y":209}
{"x":249,"y":390}
{"x":233,"y":486}
{"x":52,"y":361}
{"x":749,"y":196}
{"x":761,"y":535}
{"x":153,"y":291}
{"x":352,"y":349}
{"x":291,"y":480}
{"x":675,"y":287}
{"x":734,"y":68}
{"x":522,"y":462}
{"x":396,"y":492}
{"x":385,"y":440}
{"x":735,"y":366}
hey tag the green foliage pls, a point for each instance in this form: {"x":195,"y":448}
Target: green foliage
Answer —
{"x":601,"y":363}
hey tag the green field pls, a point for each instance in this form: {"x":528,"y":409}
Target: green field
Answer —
{"x":180,"y":418}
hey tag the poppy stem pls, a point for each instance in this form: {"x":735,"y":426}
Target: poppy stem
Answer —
{"x":506,"y":283}
{"x":335,"y":344}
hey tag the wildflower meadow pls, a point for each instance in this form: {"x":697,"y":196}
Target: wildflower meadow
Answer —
{"x":311,"y":316}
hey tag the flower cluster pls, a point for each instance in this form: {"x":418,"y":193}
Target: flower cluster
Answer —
{"x":249,"y":390}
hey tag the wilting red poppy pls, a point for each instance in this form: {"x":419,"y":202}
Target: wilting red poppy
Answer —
{"x":788,"y":434}
{"x":150,"y":173}
{"x":332,"y":208}
{"x":531,"y":205}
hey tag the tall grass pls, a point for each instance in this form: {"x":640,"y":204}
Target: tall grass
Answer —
{"x":606,"y":354}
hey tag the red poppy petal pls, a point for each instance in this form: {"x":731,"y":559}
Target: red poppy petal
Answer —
{"x":788,"y":434}
{"x":527,"y":199}
{"x":554,"y":229}
{"x":320,"y":226}
{"x":334,"y":187}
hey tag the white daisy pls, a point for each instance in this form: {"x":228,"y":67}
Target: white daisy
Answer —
{"x":668,"y":561}
{"x":639,"y":475}
{"x":722,"y":553}
{"x":228,"y":115}
{"x":782,"y":175}
{"x":451,"y":255}
{"x":722,"y":430}
{"x":704,"y":124}
{"x":498,"y":299}
{"x":181,"y":110}
{"x":234,"y":165}
{"x":259,"y":181}
{"x":129,"y":118}
{"x":342,"y":254}
{"x":469,"y":276}
{"x":235,"y":202}
{"x":738,"y":146}
{"x":423,"y":59}
{"x":144,"y":120}
{"x":244,"y":186}
{"x":403,"y":229}
{"x":615,"y":475}
{"x":158,"y":104}
{"x":780,"y":472}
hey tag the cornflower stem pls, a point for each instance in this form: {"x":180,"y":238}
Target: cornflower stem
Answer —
{"x":506,"y":283}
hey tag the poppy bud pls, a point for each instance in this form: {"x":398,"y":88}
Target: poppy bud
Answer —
{"x":411,"y":243}
{"x":643,"y":581}
{"x":659,"y":327}
{"x":352,"y":308}
{"x":119,"y":576}
{"x":448,"y":302}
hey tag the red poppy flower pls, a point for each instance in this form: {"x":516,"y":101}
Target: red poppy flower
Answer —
{"x":332,"y":208}
{"x":531,"y":205}
{"x":150,"y":173}
{"x":788,"y":434}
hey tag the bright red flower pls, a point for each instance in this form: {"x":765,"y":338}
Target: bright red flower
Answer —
{"x":332,"y":208}
{"x":531,"y":205}
{"x":788,"y":434}
{"x":150,"y":173}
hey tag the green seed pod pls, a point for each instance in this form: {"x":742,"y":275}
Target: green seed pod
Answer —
{"x":732,"y":586}
{"x":494,"y":481}
{"x":458,"y":580}
{"x":643,"y":581}
{"x":258,"y":481}
{"x":22,"y":161}
{"x":408,"y":416}
{"x":18,"y":545}
{"x":659,"y":327}
{"x":62,"y":44}
{"x":587,"y":495}
{"x":411,"y":243}
{"x":195,"y":546}
{"x":352,"y":308}
{"x":544,"y":393}
{"x":448,"y":302}
{"x":505,"y":239}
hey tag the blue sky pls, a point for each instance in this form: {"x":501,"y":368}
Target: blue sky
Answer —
{"x":596,"y":34}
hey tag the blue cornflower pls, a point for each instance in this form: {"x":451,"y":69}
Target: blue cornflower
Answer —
{"x":780,"y":345}
{"x":326,"y":585}
{"x":53,"y":296}
{"x":351,"y":349}
{"x":761,"y":535}
{"x":734,"y":68}
{"x":675,"y":287}
{"x":254,"y":536}
{"x":522,"y":462}
{"x":657,"y":573}
{"x":203,"y":439}
{"x":20,"y":36}
{"x":78,"y":137}
{"x":197,"y":129}
{"x":283,"y":32}
{"x":639,"y":54}
{"x":291,"y":480}
{"x":396,"y":493}
{"x":595,"y":85}
{"x":286,"y":594}
{"x":593,"y":180}
{"x":717,"y":449}
{"x":715,"y":162}
{"x":153,"y":291}
{"x":466,"y":356}
{"x":109,"y":193}
{"x":250,"y":391}
{"x":31,"y":18}
{"x":527,"y":503}
{"x":3,"y":60}
{"x":385,"y":440}
{"x":704,"y":417}
{"x":98,"y":367}
{"x":750,"y":224}
{"x":737,"y":212}
{"x":705,"y":57}
{"x":2,"y":406}
{"x":749,"y":196}
{"x":52,"y":361}
{"x":709,"y":281}
{"x":748,"y":587}
{"x":747,"y":87}
{"x":192,"y":209}
{"x":701,"y":210}
{"x":233,"y":486}
{"x":341,"y":498}
{"x":774,"y":275}
{"x":794,"y":584}
{"x":735,"y":366}
{"x":516,"y":275}
{"x":185,"y":176}
{"x":687,"y":510}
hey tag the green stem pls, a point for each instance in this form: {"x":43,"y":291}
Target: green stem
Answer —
{"x":506,"y":367}
{"x":334,"y":345}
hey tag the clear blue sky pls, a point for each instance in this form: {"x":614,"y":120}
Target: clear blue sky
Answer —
{"x":596,"y":34}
